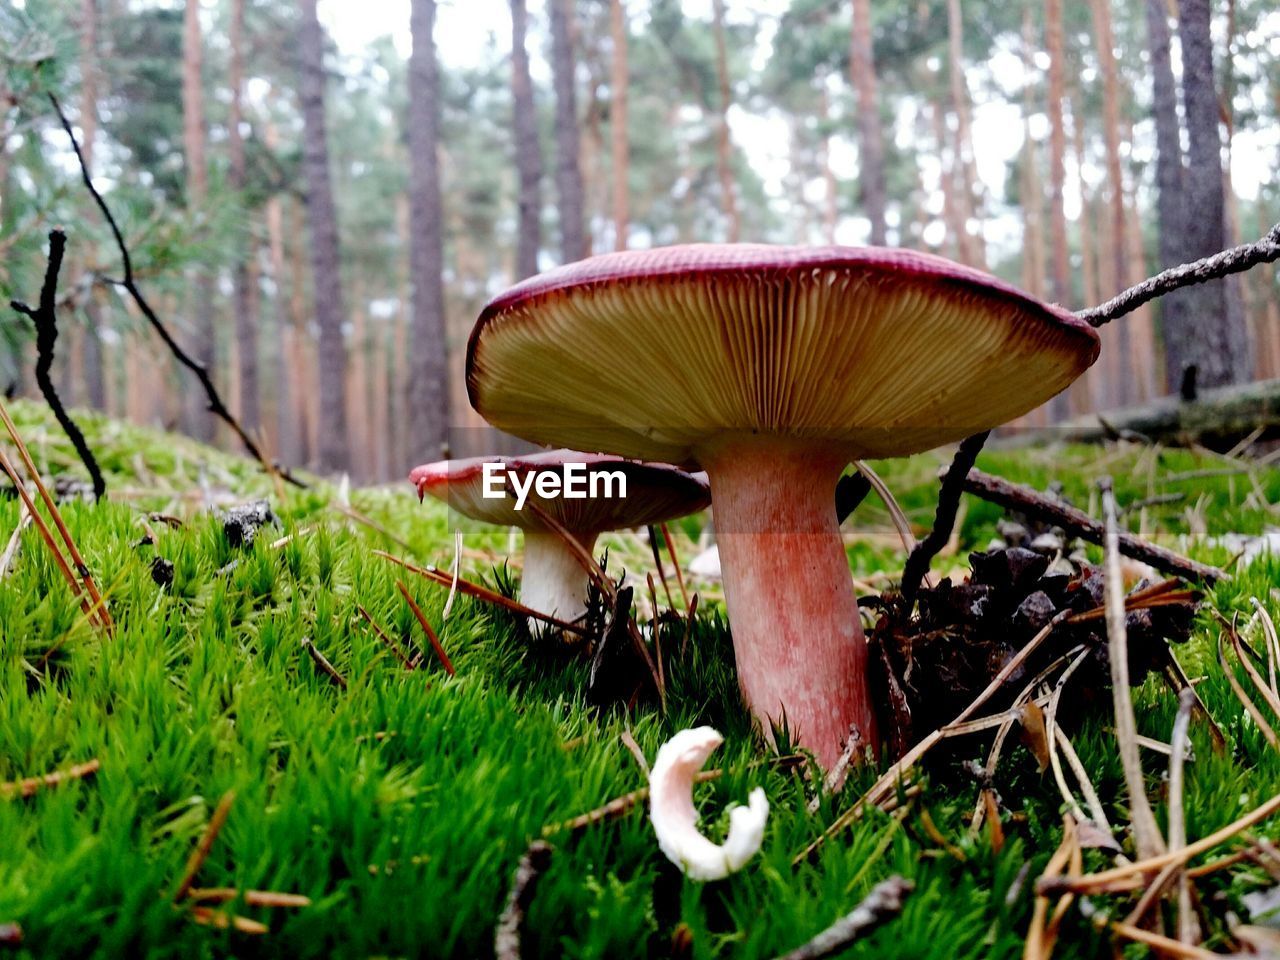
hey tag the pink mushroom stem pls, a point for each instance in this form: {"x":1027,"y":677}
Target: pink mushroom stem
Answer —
{"x":797,"y":636}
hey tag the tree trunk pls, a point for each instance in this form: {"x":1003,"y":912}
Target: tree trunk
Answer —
{"x":573,"y":237}
{"x":1033,"y":191}
{"x":428,"y":393}
{"x":862,"y":74}
{"x":618,"y":95}
{"x":245,"y":301}
{"x":528,"y":149}
{"x":326,"y":263}
{"x":724,"y":145}
{"x":1121,"y":390}
{"x":1209,"y":339}
{"x":1060,"y":275}
{"x":199,"y":422}
{"x":831,"y":189}
{"x":91,"y":357}
{"x":1170,"y":175}
{"x":974,"y":247}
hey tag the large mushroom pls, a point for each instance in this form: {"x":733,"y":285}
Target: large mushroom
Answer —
{"x":554,"y":582}
{"x":771,"y":368}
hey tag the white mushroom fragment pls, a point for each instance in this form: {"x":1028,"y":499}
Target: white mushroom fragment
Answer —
{"x":675,"y":819}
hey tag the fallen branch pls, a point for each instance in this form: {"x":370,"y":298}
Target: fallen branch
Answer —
{"x":45,"y":319}
{"x":128,"y":283}
{"x":1235,"y":260}
{"x":1077,"y":523}
{"x":506,"y":937}
{"x":884,"y":902}
{"x":30,"y":786}
{"x":944,"y":520}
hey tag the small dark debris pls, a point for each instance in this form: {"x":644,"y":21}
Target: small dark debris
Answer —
{"x":162,"y":572}
{"x":964,"y":633}
{"x":240,"y":524}
{"x":617,"y":668}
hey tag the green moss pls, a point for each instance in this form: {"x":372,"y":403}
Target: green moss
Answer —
{"x":406,"y":842}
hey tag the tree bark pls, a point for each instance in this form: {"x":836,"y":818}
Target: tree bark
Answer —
{"x":862,"y":74}
{"x":243,"y":294}
{"x":528,"y":149}
{"x":1121,"y":389}
{"x":199,"y":422}
{"x":1060,"y":286}
{"x":428,"y":392}
{"x":974,"y":247}
{"x":618,"y":93}
{"x":573,"y":237}
{"x":724,"y":145}
{"x":1170,"y":175}
{"x":326,"y":263}
{"x":1033,"y":191}
{"x":91,"y":357}
{"x":1211,"y":339}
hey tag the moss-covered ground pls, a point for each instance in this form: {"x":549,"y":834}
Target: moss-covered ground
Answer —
{"x":401,"y":804}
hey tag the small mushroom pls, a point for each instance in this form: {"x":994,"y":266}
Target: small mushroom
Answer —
{"x":772,"y":368}
{"x":675,"y":819}
{"x":554,"y":581}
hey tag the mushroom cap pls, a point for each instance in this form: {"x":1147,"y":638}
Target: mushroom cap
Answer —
{"x":655,"y":491}
{"x":655,"y":354}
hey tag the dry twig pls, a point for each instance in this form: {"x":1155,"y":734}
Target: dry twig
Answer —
{"x":1146,"y":834}
{"x":426,"y":628}
{"x":1266,"y":250}
{"x":30,"y":786}
{"x":1077,"y":523}
{"x":507,"y":935}
{"x":321,"y":661}
{"x":201,"y":852}
{"x":883,"y":903}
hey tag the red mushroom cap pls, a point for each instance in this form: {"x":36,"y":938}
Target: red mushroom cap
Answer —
{"x":655,"y":491}
{"x":877,"y":352}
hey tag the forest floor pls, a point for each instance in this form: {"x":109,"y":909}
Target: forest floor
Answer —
{"x":400,"y":804}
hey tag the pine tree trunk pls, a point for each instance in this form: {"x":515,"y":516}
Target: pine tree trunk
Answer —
{"x":1060,"y":274}
{"x":242,"y":279}
{"x":862,"y":74}
{"x":831,"y":190}
{"x":569,"y":187}
{"x":326,"y":263}
{"x":1209,"y":338}
{"x":724,"y":146}
{"x":619,"y":94}
{"x":91,"y":356}
{"x":199,"y":422}
{"x":1170,"y":176}
{"x":428,"y":393}
{"x":1033,"y":192}
{"x":528,"y":149}
{"x":974,"y":246}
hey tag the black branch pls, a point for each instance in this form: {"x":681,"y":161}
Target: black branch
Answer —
{"x":944,"y":519}
{"x":127,"y":283}
{"x":1235,"y":260}
{"x":45,"y":318}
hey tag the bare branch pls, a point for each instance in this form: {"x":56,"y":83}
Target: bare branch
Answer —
{"x":216,"y":405}
{"x":1235,"y":260}
{"x":45,"y":319}
{"x":884,"y":902}
{"x":506,"y":938}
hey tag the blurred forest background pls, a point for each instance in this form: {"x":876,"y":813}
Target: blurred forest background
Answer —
{"x":319,"y":197}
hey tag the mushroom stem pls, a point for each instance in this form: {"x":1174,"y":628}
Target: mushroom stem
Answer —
{"x":797,"y":636}
{"x":554,"y":582}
